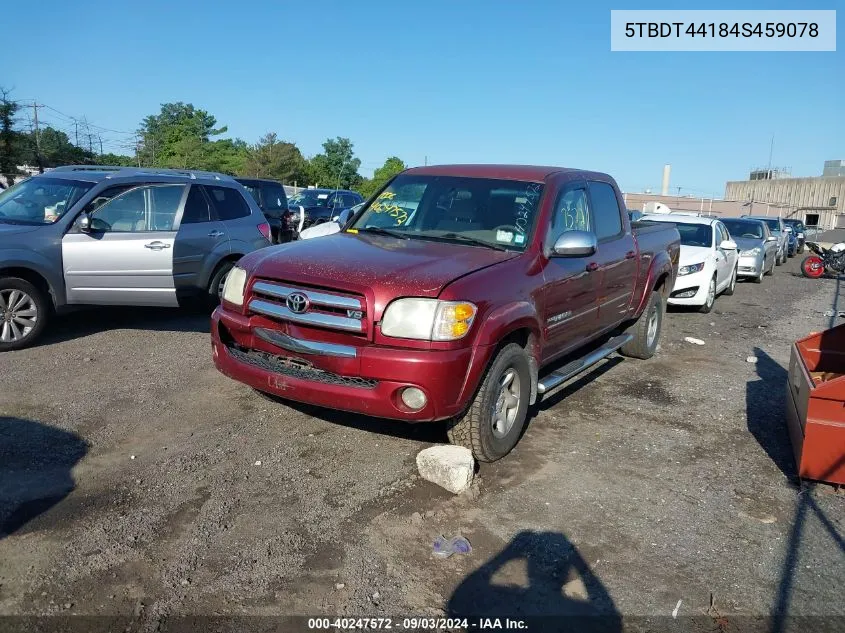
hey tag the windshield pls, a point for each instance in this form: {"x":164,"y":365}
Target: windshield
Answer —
{"x":498,"y":213}
{"x":695,"y":234}
{"x":774,"y":225}
{"x":739,"y":228}
{"x":798,"y":225}
{"x":40,"y":200}
{"x":309,"y":198}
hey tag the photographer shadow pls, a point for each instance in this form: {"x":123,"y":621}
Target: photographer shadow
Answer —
{"x":559,"y":591}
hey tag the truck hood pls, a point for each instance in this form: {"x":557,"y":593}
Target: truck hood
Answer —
{"x":380,"y":267}
{"x":694,"y":255}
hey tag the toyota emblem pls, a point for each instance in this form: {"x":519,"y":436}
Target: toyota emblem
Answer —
{"x":297,"y":302}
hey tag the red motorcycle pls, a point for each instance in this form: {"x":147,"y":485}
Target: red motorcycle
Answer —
{"x":830,"y":260}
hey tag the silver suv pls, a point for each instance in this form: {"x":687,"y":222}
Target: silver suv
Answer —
{"x":85,"y":235}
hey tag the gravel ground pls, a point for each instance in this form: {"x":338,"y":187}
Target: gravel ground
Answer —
{"x":135,"y":480}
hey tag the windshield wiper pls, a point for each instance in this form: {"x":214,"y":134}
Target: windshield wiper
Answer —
{"x":469,"y":240}
{"x":380,"y":231}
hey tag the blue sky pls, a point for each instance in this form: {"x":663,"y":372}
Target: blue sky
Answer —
{"x":472,"y":81}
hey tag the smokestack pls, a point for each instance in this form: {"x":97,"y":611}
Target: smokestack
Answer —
{"x":664,"y":190}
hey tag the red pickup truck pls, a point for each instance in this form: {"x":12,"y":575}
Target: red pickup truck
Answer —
{"x":463,"y":293}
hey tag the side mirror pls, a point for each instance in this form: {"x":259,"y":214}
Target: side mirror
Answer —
{"x":728,"y":245}
{"x":84,"y":222}
{"x":575,"y":244}
{"x":771,"y":238}
{"x":344,"y":217}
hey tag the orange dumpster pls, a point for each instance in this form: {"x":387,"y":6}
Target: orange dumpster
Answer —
{"x":816,"y":405}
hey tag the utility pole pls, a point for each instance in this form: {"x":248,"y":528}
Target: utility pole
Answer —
{"x":100,"y":138}
{"x":35,"y":107}
{"x":76,"y":131}
{"x":426,"y":160}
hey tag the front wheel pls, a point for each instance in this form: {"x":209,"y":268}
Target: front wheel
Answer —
{"x":24,"y":310}
{"x":493,"y":424}
{"x":732,"y":285}
{"x":711,"y":297}
{"x":812,"y":267}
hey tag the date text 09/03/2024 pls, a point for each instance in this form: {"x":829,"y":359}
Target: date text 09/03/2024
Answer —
{"x":417,"y":624}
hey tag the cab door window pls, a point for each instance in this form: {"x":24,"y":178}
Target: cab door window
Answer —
{"x":139,"y":209}
{"x":572,"y":212}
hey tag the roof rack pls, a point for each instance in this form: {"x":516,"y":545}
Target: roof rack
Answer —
{"x":117,"y":171}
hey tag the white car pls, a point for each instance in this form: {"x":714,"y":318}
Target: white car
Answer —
{"x":708,"y":261}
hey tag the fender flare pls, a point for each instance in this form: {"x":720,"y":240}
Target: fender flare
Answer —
{"x":37,"y":263}
{"x":661,"y":265}
{"x":499,"y":324}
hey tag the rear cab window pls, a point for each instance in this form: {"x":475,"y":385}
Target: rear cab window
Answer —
{"x":607,"y":215}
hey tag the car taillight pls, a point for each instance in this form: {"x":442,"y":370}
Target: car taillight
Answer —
{"x":265,"y":229}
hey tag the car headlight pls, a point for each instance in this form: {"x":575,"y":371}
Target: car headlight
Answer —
{"x":233,"y":289}
{"x":751,"y":252}
{"x":800,"y":236}
{"x":428,"y":319}
{"x":692,"y":268}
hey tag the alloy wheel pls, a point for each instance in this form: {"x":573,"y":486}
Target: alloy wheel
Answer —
{"x":506,"y":407}
{"x":18,"y":315}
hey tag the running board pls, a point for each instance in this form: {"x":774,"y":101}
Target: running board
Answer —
{"x":557,"y":378}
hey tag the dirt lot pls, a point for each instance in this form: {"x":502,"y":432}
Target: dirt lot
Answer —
{"x":136,"y":480}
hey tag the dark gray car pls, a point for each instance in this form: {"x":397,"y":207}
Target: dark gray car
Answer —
{"x":83,"y":235}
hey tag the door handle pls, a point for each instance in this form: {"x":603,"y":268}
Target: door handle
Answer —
{"x":216,"y":233}
{"x":592,"y":267}
{"x":630,"y":255}
{"x":156,"y":246}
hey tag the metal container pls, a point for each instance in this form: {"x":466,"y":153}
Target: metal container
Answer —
{"x":816,"y":405}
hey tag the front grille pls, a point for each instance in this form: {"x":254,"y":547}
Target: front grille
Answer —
{"x":325,"y":309}
{"x":746,"y":269}
{"x":290,"y":367}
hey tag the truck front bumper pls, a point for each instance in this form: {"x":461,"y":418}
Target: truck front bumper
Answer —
{"x":370,"y":383}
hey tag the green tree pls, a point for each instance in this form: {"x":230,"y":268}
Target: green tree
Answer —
{"x":178,"y":136}
{"x":337,"y":166}
{"x":118,"y":160}
{"x":391,"y":167}
{"x":272,"y":158}
{"x":9,"y":138}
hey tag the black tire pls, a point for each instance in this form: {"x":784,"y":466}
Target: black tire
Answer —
{"x":779,"y":260}
{"x":474,"y":429}
{"x":708,"y":306}
{"x":644,"y":344}
{"x":772,"y":267}
{"x":759,"y":278}
{"x":732,"y":285}
{"x":215,"y":286}
{"x":42,"y":307}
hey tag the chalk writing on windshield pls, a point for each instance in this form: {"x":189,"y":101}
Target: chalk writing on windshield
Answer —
{"x":382,"y":205}
{"x":526,"y":208}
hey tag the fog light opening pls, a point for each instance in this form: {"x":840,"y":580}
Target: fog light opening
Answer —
{"x":413,"y":398}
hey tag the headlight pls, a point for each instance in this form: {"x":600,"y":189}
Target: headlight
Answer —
{"x":428,"y":319}
{"x":800,"y":236}
{"x":751,"y":252}
{"x":693,"y":268}
{"x":233,"y":289}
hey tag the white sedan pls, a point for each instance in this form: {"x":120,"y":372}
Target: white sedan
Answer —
{"x":709,"y":260}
